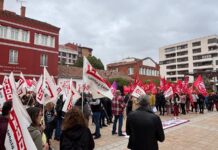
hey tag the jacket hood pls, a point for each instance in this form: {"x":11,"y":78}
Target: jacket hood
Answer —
{"x":74,"y":132}
{"x":31,"y":128}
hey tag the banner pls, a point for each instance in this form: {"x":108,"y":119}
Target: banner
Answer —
{"x":97,"y":84}
{"x":138,"y":91}
{"x":72,"y":97}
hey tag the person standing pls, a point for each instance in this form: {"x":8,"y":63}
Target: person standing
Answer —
{"x":75,"y":133}
{"x":36,"y":115}
{"x":201,"y":103}
{"x":118,"y":106}
{"x":144,"y":127}
{"x":4,"y":118}
{"x":96,"y":110}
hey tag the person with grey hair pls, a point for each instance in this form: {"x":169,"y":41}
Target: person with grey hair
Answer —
{"x":144,"y":127}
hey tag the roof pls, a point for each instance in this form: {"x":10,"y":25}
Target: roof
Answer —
{"x":90,"y":49}
{"x":69,"y":46}
{"x":76,"y":73}
{"x":125,"y":61}
{"x":134,"y":60}
{"x":13,"y":17}
{"x":150,"y":59}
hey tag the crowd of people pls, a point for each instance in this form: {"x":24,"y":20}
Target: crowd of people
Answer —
{"x":72,"y":128}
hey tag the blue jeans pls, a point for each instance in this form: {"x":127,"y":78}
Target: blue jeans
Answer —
{"x":96,"y":117}
{"x":58,"y":128}
{"x":116,"y":117}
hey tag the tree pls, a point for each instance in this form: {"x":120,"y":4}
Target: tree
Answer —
{"x":120,"y":83}
{"x":95,"y":62}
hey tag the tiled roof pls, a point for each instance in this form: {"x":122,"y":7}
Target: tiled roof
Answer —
{"x":76,"y":73}
{"x":69,"y":46}
{"x":13,"y":17}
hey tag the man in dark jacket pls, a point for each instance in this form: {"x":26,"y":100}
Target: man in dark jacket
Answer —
{"x":4,"y":118}
{"x":144,"y":127}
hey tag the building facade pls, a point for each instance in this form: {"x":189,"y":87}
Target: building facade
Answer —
{"x":85,"y":51}
{"x":68,"y":54}
{"x":189,"y":57}
{"x":26,"y":45}
{"x":144,"y":69}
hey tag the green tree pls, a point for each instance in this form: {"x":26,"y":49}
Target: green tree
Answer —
{"x":95,"y":62}
{"x":120,"y":82}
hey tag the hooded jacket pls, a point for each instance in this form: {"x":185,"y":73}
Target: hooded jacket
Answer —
{"x":145,"y":129}
{"x":36,"y":136}
{"x":77,"y":138}
{"x":3,"y":131}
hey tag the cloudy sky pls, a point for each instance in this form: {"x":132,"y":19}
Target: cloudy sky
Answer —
{"x":117,"y":29}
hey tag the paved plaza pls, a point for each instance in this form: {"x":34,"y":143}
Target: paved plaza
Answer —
{"x":201,"y":133}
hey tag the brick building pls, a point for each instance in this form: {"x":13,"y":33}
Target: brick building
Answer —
{"x":144,"y":69}
{"x":27,"y":45}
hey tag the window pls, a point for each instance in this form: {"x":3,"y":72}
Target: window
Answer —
{"x":196,"y":44}
{"x":182,"y":46}
{"x":3,"y":32}
{"x":36,"y":39}
{"x":198,"y":50}
{"x":216,"y":62}
{"x":51,"y":41}
{"x":130,"y":71}
{"x":140,"y":71}
{"x":24,"y":36}
{"x":64,"y":54}
{"x":14,"y":34}
{"x":13,"y":57}
{"x":44,"y":60}
{"x":213,"y":40}
{"x":44,"y":40}
{"x":170,"y":49}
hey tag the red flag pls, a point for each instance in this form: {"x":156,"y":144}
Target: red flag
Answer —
{"x":199,"y":84}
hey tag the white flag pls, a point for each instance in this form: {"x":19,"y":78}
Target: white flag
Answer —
{"x":97,"y":84}
{"x":72,"y":97}
{"x":21,"y":86}
{"x":138,"y":91}
{"x":168,"y":92}
{"x":40,"y":91}
{"x":17,"y":136}
{"x":50,"y":88}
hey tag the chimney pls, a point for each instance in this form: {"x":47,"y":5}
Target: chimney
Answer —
{"x":1,"y":5}
{"x":23,"y":11}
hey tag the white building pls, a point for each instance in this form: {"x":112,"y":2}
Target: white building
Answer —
{"x":68,"y":54}
{"x":193,"y":56}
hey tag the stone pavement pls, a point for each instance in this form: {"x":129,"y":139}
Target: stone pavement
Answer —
{"x":201,"y":133}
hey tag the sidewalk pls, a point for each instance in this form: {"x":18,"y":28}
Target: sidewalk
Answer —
{"x":199,"y":134}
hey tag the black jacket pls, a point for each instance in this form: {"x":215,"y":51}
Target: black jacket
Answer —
{"x":77,"y":138}
{"x":145,"y":129}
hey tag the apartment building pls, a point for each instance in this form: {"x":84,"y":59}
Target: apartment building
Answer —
{"x":27,"y":45}
{"x":190,"y":57}
{"x":68,"y":53}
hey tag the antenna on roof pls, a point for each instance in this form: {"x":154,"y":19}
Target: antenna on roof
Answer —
{"x":21,"y":2}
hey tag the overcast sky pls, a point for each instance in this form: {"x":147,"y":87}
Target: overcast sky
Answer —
{"x":117,"y":29}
